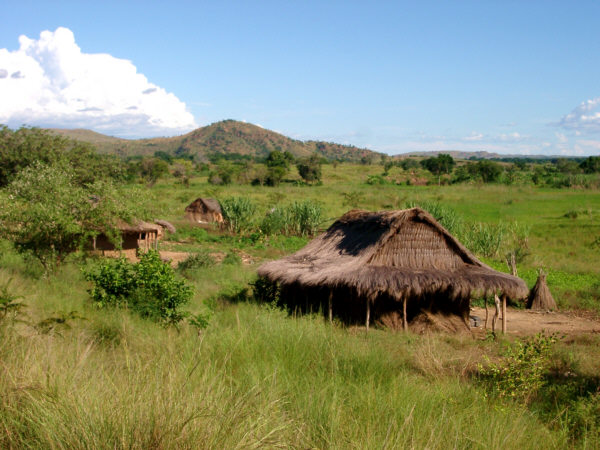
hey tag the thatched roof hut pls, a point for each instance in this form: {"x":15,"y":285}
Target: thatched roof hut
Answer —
{"x":540,"y":298}
{"x":204,"y":210}
{"x":139,"y":235}
{"x":388,"y":266}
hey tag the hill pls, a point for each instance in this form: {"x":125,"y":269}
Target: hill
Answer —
{"x":227,"y":137}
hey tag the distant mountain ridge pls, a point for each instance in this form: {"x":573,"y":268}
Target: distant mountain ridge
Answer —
{"x":227,"y":137}
{"x":230,"y":137}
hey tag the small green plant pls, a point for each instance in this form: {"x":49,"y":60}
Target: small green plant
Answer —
{"x":238,"y":213}
{"x":519,"y":375}
{"x":150,"y":288}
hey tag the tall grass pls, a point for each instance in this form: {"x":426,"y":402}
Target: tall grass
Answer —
{"x":255,"y":378}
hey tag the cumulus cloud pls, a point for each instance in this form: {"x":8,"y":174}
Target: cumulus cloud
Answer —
{"x":52,"y":83}
{"x":584,"y":118}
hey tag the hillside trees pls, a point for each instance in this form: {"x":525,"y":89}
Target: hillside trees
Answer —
{"x":21,"y":148}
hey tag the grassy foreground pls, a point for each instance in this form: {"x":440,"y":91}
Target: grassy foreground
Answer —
{"x":74,"y":376}
{"x":254,"y":378}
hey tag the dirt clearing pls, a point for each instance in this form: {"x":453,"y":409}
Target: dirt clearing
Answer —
{"x":521,"y":322}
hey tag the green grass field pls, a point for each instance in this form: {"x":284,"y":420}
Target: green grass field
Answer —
{"x":255,"y":377}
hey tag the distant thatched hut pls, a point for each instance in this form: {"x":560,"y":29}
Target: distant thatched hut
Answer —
{"x":540,"y":298}
{"x":204,"y":210}
{"x":393,"y":267}
{"x":139,"y":236}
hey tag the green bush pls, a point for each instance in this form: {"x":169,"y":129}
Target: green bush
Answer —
{"x":306,"y":217}
{"x":238,"y":213}
{"x":299,"y":218}
{"x":520,"y":374}
{"x":196,"y":261}
{"x":150,"y":288}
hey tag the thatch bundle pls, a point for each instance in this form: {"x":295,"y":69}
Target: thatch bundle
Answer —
{"x":540,"y":298}
{"x":387,"y":264}
{"x":166,"y":225}
{"x":204,"y":210}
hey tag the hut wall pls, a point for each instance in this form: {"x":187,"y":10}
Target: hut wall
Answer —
{"x":350,"y":307}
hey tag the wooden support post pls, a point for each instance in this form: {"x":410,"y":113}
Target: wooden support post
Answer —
{"x":497,"y":313}
{"x":404,"y":318}
{"x":503,"y":314}
{"x":331,"y":306}
{"x":368,"y":314}
{"x":485,"y":299}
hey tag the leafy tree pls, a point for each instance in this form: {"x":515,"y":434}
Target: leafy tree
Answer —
{"x":438,"y":165}
{"x":591,"y":164}
{"x":310,"y":168}
{"x":160,"y":154}
{"x":182,"y":170}
{"x":489,"y":171}
{"x":567,"y":166}
{"x":47,"y":213}
{"x":408,"y":163}
{"x":278,"y":165}
{"x":151,"y":169}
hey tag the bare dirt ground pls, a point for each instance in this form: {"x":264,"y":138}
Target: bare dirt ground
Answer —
{"x":522,"y":322}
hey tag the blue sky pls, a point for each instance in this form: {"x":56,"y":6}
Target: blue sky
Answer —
{"x":509,"y":76}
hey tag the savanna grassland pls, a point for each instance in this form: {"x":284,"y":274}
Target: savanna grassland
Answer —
{"x":73,"y":375}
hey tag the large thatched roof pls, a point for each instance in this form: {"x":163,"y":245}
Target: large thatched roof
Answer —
{"x":404,"y":254}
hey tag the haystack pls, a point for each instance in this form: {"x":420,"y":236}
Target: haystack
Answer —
{"x":204,"y":210}
{"x":540,"y":298}
{"x":391,"y":267}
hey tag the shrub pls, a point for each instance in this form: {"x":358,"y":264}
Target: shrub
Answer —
{"x":238,"y":213}
{"x":520,"y":373}
{"x":150,"y":288}
{"x":196,"y":261}
{"x":483,"y":238}
{"x":306,"y":217}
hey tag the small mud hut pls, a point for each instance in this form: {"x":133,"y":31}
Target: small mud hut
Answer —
{"x":540,"y":298}
{"x":139,"y":236}
{"x":204,"y":210}
{"x":397,"y":268}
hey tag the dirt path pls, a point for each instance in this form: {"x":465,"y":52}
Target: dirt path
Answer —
{"x":524,"y":322}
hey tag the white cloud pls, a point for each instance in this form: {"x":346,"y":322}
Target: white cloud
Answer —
{"x":49,"y":82}
{"x":474,"y":137}
{"x":584,"y":118}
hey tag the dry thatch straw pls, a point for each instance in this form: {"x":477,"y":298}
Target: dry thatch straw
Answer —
{"x":166,"y":225}
{"x":540,"y":298}
{"x":379,"y":263}
{"x":204,"y":210}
